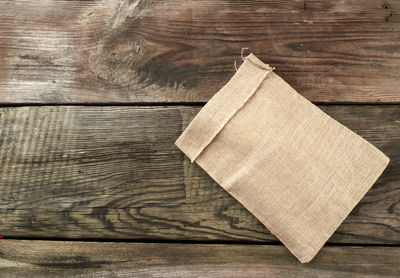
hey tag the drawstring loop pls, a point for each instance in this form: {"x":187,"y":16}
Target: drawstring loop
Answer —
{"x":241,"y":55}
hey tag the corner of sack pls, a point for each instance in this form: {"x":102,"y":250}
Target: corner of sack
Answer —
{"x":305,"y":258}
{"x":181,"y":146}
{"x":178,"y":142}
{"x":256,"y":61}
{"x":386,"y":159}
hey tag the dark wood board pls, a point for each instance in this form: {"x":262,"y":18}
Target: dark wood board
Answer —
{"x":108,"y":259}
{"x":113,"y":51}
{"x":114,"y":173}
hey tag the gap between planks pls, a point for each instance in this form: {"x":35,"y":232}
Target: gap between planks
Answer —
{"x":187,"y":241}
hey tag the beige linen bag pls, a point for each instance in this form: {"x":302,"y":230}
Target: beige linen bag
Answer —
{"x":295,"y":168}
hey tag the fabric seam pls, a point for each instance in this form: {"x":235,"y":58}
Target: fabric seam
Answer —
{"x":266,"y":74}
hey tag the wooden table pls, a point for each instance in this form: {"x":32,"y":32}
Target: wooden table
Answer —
{"x":94,"y":94}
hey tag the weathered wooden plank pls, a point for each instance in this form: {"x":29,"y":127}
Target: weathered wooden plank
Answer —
{"x":114,"y":172}
{"x":184,"y":50}
{"x":108,"y":259}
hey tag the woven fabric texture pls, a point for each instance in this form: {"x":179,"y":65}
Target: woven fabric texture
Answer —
{"x":296,"y":169}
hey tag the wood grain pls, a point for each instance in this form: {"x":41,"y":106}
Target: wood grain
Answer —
{"x":108,"y":259}
{"x":114,"y":172}
{"x":131,"y":51}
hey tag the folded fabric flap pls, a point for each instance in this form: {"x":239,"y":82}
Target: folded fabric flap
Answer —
{"x":222,"y":107}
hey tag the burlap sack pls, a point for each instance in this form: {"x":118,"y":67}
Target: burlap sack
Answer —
{"x":291,"y":165}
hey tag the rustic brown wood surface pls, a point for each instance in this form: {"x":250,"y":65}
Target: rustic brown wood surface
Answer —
{"x":107,"y":259}
{"x":114,"y":173}
{"x":114,"y":51}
